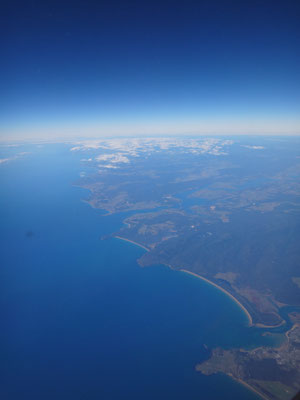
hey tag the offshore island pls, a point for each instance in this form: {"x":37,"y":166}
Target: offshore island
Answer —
{"x":225,"y":212}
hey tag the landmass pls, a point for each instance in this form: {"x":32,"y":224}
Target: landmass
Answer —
{"x":273,"y":372}
{"x":225,"y":211}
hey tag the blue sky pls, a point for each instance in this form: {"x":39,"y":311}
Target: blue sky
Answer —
{"x":89,"y":68}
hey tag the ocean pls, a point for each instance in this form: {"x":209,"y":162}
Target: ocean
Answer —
{"x":80,"y":319}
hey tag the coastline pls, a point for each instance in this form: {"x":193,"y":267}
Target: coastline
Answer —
{"x":250,"y":321}
{"x":224,"y":291}
{"x":249,"y":387}
{"x":283,"y":322}
{"x":242,"y":307}
{"x":131,"y":241}
{"x":290,"y":330}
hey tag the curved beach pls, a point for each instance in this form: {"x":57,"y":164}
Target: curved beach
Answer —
{"x":131,"y":241}
{"x":200,"y":277}
{"x":224,"y":291}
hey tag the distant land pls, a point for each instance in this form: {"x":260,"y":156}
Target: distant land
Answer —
{"x":226,"y":210}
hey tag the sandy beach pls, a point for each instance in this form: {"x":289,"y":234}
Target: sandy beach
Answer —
{"x":200,"y":277}
{"x":270,"y":326}
{"x":131,"y":241}
{"x":224,"y":291}
{"x":249,"y":387}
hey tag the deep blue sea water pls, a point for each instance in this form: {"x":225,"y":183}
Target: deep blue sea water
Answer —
{"x":79,"y":318}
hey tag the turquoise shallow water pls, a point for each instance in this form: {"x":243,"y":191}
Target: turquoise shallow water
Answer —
{"x":80,"y":319}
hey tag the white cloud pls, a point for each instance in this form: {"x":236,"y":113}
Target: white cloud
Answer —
{"x":76,"y":148}
{"x":4,"y":160}
{"x":15,"y":157}
{"x":113,"y":158}
{"x":135,"y":146}
{"x":252,"y":147}
{"x":107,"y":166}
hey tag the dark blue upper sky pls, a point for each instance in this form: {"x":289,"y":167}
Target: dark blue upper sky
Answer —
{"x":121,"y":67}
